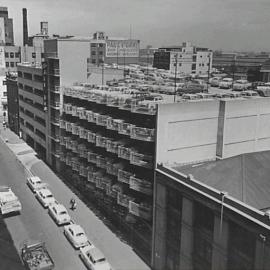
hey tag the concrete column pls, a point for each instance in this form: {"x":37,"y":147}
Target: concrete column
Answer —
{"x":220,"y":244}
{"x":262,"y":254}
{"x":186,"y":248}
{"x":159,"y":229}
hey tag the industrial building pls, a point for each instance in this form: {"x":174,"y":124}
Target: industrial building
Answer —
{"x":265,"y":71}
{"x":240,"y":65}
{"x":211,"y":186}
{"x":184,"y":60}
{"x":6,"y":27}
{"x":213,"y":215}
{"x":32,"y":106}
{"x":109,"y":50}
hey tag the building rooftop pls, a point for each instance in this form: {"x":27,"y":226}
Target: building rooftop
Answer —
{"x":245,"y":177}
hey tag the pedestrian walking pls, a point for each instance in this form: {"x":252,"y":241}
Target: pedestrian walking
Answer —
{"x":73,"y":204}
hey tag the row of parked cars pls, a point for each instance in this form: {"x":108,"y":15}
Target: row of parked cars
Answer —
{"x":92,"y":257}
{"x":227,"y":83}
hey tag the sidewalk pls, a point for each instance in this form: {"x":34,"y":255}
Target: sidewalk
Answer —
{"x":120,"y":255}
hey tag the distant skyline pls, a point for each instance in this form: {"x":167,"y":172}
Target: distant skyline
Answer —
{"x":217,"y":24}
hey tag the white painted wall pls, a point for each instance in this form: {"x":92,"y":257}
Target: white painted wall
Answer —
{"x":73,"y":56}
{"x":193,"y":131}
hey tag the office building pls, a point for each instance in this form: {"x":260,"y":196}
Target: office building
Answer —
{"x":12,"y":101}
{"x":32,"y":106}
{"x":184,"y":60}
{"x":146,"y":56}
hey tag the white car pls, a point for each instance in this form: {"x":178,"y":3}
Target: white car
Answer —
{"x":241,"y":85}
{"x":35,"y":183}
{"x":93,"y":258}
{"x":226,"y":83}
{"x":215,"y":81}
{"x":59,"y":214}
{"x":76,"y":235}
{"x":45,"y":197}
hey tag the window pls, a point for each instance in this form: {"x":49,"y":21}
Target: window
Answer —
{"x":100,"y":52}
{"x":93,"y":61}
{"x":7,"y":64}
{"x":93,"y":45}
{"x":11,"y":55}
{"x":93,"y":52}
{"x":193,"y":67}
{"x":17,"y":55}
{"x":33,"y":55}
{"x":180,"y":64}
{"x":5,"y":94}
{"x":6,"y":55}
{"x":100,"y":45}
{"x":12,"y":64}
{"x":42,"y":55}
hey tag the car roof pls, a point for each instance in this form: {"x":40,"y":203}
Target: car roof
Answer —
{"x":35,"y":179}
{"x":59,"y":207}
{"x":75,"y":228}
{"x":45,"y":191}
{"x":96,"y":254}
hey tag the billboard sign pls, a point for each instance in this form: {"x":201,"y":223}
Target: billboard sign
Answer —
{"x":122,"y":48}
{"x":2,"y":57}
{"x":2,"y":31}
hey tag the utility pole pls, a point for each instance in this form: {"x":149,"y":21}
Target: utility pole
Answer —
{"x":117,"y":55}
{"x":208,"y":73}
{"x":147,"y":63}
{"x":175,"y":74}
{"x":124,"y":63}
{"x":234,"y":58}
{"x":102,"y":70}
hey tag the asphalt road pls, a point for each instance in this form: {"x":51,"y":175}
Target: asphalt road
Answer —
{"x":34,"y":222}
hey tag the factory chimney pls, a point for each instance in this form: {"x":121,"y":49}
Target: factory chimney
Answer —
{"x":25,"y":28}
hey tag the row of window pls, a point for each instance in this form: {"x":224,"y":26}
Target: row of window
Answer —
{"x":11,"y":64}
{"x":12,"y":55}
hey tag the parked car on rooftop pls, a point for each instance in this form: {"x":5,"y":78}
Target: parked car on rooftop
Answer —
{"x":226,"y":83}
{"x":241,"y":85}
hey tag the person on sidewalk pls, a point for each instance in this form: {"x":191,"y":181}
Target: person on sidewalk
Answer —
{"x":73,"y":204}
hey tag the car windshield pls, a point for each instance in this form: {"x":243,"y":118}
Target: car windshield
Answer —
{"x":101,"y":260}
{"x":62,"y":213}
{"x":49,"y":196}
{"x":80,"y":234}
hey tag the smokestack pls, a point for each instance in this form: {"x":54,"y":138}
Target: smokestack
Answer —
{"x":25,"y":28}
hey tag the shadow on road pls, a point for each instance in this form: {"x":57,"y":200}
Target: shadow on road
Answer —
{"x":9,"y":258}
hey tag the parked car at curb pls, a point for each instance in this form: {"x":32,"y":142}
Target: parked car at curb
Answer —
{"x":93,"y":258}
{"x":45,"y":197}
{"x":59,"y":214}
{"x":35,"y":183}
{"x":76,"y":235}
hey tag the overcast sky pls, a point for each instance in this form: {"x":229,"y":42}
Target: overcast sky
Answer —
{"x":217,"y":24}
